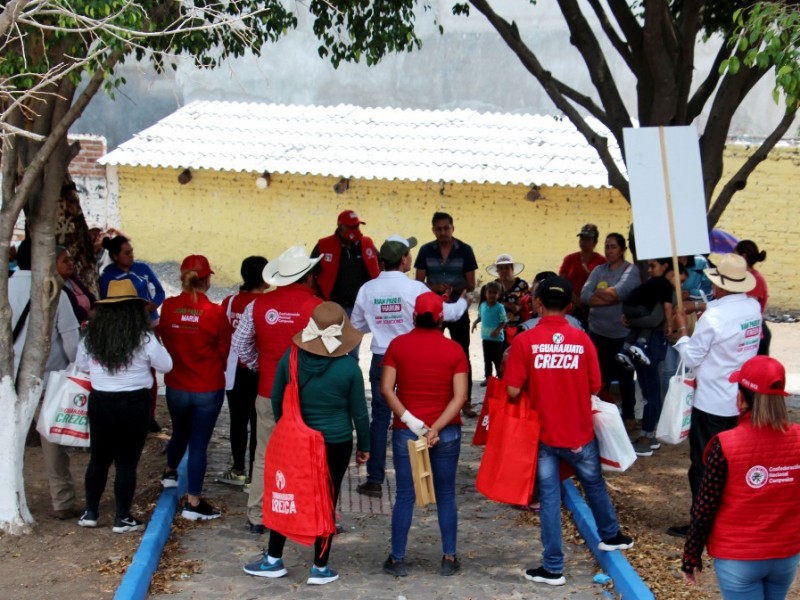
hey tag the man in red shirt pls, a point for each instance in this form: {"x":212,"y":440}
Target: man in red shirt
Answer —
{"x":558,"y":365}
{"x":264,"y":333}
{"x":576,"y":267}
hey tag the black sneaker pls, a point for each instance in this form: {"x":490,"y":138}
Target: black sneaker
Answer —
{"x":169,"y":479}
{"x":542,"y":575}
{"x":449,"y":567}
{"x":154,"y":427}
{"x":255,"y":528}
{"x":395,"y":567}
{"x":88,"y":519}
{"x":678,"y":531}
{"x":373,"y":490}
{"x":202,"y":512}
{"x":126,"y":524}
{"x":618,"y":542}
{"x":640,"y":354}
{"x":625,"y":361}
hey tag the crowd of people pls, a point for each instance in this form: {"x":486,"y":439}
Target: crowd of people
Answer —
{"x":597,"y":313}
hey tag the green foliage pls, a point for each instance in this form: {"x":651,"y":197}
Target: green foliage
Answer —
{"x":767,"y":35}
{"x":83,"y":34}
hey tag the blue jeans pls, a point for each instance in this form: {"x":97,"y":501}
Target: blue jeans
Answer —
{"x":378,"y":425}
{"x":586,"y":463}
{"x":756,"y":579}
{"x":444,"y":462}
{"x":650,"y":383}
{"x":668,"y":368}
{"x":193,"y":415}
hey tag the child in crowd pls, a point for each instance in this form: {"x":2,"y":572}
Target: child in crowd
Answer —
{"x":648,"y":306}
{"x":493,"y":319}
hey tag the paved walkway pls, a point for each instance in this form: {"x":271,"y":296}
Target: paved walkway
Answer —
{"x":495,"y":546}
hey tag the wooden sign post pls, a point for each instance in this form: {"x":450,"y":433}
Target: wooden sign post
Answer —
{"x":420,"y":458}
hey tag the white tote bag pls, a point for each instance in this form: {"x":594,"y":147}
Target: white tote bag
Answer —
{"x":64,"y":418}
{"x":676,"y":414}
{"x":233,"y":359}
{"x":616,"y":450}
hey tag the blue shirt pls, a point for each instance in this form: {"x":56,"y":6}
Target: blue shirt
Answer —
{"x":491,"y":318}
{"x":143,"y":278}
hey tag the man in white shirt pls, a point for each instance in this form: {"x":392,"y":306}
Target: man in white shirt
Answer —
{"x":63,"y":348}
{"x":385,"y":306}
{"x":725,"y":337}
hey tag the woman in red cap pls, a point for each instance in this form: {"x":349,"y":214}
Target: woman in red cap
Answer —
{"x":746,"y":510}
{"x":424,"y":382}
{"x":197,"y":334}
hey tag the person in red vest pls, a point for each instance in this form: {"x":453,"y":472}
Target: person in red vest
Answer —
{"x":264,"y":333}
{"x":348,"y":259}
{"x":746,"y":509}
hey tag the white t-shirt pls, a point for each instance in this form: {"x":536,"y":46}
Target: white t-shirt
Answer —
{"x":135,"y":376}
{"x":385,"y":306}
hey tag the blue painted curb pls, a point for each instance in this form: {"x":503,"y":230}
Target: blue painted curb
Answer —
{"x":626,"y":580}
{"x":136,"y":582}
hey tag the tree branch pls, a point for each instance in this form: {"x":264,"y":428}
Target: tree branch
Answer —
{"x":531,"y":62}
{"x":661,"y":60}
{"x":619,"y":44}
{"x":705,"y":89}
{"x":583,"y":38}
{"x":739,"y":180}
{"x":688,"y":27}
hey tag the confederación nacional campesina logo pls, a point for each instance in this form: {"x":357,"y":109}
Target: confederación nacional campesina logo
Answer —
{"x":757,"y":477}
{"x":280,"y":480}
{"x":558,"y":338}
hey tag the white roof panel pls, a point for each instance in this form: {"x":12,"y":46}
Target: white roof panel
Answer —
{"x":369,"y":143}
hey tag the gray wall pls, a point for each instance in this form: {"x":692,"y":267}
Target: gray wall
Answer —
{"x":468,"y":67}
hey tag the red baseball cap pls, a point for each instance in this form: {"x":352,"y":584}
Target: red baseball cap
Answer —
{"x":350,"y":218}
{"x":763,"y":375}
{"x":197,"y":262}
{"x":429,"y":303}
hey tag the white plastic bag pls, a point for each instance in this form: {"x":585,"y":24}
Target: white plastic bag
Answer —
{"x":616,"y":450}
{"x":233,"y":359}
{"x":676,"y":414}
{"x":64,"y":418}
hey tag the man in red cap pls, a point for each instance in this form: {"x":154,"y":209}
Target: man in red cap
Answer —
{"x":348,"y":260}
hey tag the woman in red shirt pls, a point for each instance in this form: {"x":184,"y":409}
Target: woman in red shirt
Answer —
{"x":197,"y":334}
{"x":424,"y":382}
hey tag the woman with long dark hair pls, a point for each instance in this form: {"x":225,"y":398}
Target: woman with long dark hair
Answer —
{"x":748,"y":249}
{"x":604,"y":292}
{"x":119,"y":352}
{"x":242,"y":391}
{"x":198,"y":336}
{"x":81,"y":299}
{"x":746,"y":508}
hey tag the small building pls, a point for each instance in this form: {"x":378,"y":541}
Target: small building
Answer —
{"x":231,"y":179}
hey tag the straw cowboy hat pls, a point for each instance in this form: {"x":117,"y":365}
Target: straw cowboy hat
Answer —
{"x":731,"y":274}
{"x":329,"y":332}
{"x":122,"y":290}
{"x":505,"y":259}
{"x":289,"y":267}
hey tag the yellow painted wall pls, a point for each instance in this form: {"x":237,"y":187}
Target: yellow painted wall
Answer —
{"x":224,"y":216}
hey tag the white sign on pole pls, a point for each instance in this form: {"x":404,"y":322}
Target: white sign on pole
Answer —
{"x":666,"y":186}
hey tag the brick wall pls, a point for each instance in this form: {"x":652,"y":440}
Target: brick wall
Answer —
{"x":224,"y":216}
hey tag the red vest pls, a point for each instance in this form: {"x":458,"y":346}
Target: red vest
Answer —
{"x":277,"y":316}
{"x":332,"y":246}
{"x":759,"y":516}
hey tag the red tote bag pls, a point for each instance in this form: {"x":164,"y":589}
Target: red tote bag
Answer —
{"x":495,"y":391}
{"x":297,"y":501}
{"x":508,"y":468}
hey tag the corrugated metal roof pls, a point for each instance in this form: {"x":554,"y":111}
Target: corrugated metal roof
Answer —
{"x":369,"y":143}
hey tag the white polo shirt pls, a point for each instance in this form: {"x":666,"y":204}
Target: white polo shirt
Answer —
{"x":726,"y":335}
{"x":385,"y":306}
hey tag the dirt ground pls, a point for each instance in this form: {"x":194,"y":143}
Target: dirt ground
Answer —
{"x":58,"y":559}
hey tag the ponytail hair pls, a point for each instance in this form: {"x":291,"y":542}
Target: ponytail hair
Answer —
{"x":748,"y":250}
{"x":191,"y":283}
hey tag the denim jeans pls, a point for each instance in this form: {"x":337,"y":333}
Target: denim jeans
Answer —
{"x":444,"y":462}
{"x":669,"y":367}
{"x":650,"y":384}
{"x":756,"y":579}
{"x":378,"y":425}
{"x":586,"y":463}
{"x":193,"y":415}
